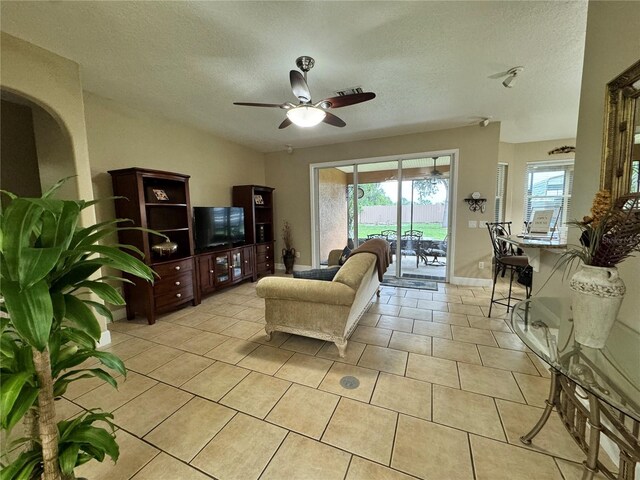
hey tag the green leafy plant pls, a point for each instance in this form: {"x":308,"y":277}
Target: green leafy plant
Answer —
{"x":51,"y":292}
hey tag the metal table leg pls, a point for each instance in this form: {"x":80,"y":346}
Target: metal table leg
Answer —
{"x":551,"y":401}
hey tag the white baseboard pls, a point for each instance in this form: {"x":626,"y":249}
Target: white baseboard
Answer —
{"x":471,"y":282}
{"x":105,"y":338}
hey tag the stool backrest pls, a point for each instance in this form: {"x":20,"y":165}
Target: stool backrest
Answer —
{"x":501,"y":248}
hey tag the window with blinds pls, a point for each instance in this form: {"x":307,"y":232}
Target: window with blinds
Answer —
{"x":501,"y":192}
{"x":548,"y":186}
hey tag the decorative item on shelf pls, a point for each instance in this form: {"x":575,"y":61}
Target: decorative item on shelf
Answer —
{"x":608,"y":236}
{"x":260,"y":233}
{"x":165,"y":249}
{"x":258,"y":200}
{"x":288,"y":252}
{"x":563,"y":149}
{"x":160,"y":195}
{"x":476,"y":202}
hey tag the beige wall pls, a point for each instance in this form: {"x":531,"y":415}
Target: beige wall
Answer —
{"x":478,"y":157}
{"x":121,"y":137}
{"x":19,"y":166}
{"x":54,"y":152}
{"x":517,"y":155}
{"x":332,"y":210}
{"x":612,"y":45}
{"x":52,"y":82}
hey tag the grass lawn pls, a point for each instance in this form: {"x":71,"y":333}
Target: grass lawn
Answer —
{"x":429,"y":230}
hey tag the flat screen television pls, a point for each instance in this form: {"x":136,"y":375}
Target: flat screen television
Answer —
{"x":218,"y":226}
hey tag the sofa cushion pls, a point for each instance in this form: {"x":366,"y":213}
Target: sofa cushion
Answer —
{"x":344,"y":255}
{"x":318,"y":273}
{"x":355,"y":269}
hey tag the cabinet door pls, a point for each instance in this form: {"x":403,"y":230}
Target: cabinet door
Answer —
{"x":205,"y":272}
{"x":222,"y":268}
{"x":236,"y":265}
{"x":248,"y":262}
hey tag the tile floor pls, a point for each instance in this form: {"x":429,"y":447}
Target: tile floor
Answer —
{"x":444,"y":394}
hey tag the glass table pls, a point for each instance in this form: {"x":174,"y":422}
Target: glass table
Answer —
{"x":596,"y":392}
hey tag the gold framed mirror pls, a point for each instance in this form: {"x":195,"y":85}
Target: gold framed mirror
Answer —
{"x":621,"y":149}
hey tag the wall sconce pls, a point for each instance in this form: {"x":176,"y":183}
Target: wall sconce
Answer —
{"x":476,"y":202}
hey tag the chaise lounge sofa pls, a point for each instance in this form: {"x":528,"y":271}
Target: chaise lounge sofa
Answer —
{"x":321,"y":309}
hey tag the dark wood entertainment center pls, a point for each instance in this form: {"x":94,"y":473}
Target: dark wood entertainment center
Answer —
{"x":160,"y":201}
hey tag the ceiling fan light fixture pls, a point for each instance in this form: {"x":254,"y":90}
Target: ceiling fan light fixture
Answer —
{"x":306,"y":115}
{"x":512,"y":74}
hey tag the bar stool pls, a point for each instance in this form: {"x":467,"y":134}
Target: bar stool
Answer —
{"x":505,"y":258}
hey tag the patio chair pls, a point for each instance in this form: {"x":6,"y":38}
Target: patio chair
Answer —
{"x":410,"y":245}
{"x":417,"y":233}
{"x":437,"y":250}
{"x":377,"y":235}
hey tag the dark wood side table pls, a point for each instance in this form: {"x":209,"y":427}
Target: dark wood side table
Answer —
{"x":596,"y":392}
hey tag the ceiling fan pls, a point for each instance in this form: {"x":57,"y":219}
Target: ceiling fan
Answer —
{"x":435,"y":172}
{"x":307,"y":113}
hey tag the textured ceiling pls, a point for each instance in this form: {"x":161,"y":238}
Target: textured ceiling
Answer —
{"x":432,"y":64}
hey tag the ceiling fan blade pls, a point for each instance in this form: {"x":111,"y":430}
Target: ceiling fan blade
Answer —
{"x":346,"y":100}
{"x":299,"y":86}
{"x":251,"y":104}
{"x":331,"y":119}
{"x":285,"y":123}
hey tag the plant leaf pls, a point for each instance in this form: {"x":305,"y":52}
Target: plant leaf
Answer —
{"x":56,"y":186}
{"x":68,"y":458}
{"x":11,"y":387}
{"x":123,"y":261}
{"x":100,"y":309}
{"x":36,"y":263}
{"x":57,"y":231}
{"x":97,"y":437}
{"x":77,"y":273}
{"x":20,"y":218}
{"x":82,"y":316}
{"x":24,"y":402}
{"x":30,"y":310}
{"x":105,"y":291}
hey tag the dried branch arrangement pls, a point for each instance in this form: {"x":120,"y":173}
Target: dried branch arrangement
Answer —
{"x":610,"y":234}
{"x":287,"y":236}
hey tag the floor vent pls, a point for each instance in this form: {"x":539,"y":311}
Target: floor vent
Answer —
{"x":349,"y":382}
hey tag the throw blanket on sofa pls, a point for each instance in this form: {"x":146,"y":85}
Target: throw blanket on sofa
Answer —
{"x":381,"y":249}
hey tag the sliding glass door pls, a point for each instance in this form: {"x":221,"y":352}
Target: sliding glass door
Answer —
{"x":404,"y":201}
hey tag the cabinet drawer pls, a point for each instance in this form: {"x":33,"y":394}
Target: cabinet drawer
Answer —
{"x":172,"y":283}
{"x":264,"y":267}
{"x":264,"y":257}
{"x":264,"y":248}
{"x":165,"y":269}
{"x":181,"y":294}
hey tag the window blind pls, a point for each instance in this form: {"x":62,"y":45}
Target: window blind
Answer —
{"x":501,"y":190}
{"x":548,"y":186}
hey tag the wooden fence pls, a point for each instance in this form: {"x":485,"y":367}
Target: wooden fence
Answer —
{"x":386,"y":215}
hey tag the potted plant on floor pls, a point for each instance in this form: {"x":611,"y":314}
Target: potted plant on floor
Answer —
{"x":51,"y":294}
{"x":608,"y":236}
{"x":288,"y":252}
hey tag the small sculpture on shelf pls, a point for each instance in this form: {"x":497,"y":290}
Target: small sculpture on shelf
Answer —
{"x":165,"y":249}
{"x":476,"y":202}
{"x":288,"y":252}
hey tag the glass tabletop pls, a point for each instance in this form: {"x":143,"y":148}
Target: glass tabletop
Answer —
{"x":545,"y":325}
